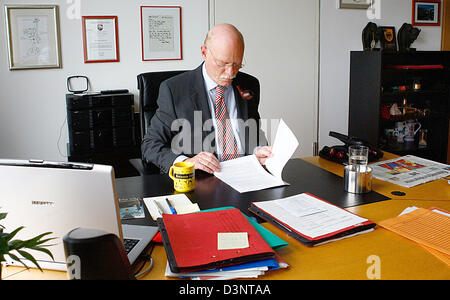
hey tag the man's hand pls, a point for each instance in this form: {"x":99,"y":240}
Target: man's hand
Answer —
{"x":263,"y":153}
{"x":205,"y":161}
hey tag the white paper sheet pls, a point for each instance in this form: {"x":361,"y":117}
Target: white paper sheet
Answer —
{"x":245,"y":174}
{"x":283,"y":147}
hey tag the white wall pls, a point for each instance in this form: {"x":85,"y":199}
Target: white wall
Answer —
{"x":32,"y":102}
{"x":282,"y":52}
{"x":340,"y":33}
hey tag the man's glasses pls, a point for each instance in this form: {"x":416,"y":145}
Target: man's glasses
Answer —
{"x":223,"y":65}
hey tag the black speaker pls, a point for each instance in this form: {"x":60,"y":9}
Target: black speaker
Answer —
{"x":96,"y":255}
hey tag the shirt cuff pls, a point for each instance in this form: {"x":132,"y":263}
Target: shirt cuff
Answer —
{"x":256,"y":148}
{"x":180,"y":159}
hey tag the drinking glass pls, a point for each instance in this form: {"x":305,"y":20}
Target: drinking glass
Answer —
{"x":358,"y":155}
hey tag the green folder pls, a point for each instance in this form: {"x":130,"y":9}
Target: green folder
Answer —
{"x":273,"y":240}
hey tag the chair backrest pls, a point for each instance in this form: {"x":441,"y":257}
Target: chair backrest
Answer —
{"x":148,"y":85}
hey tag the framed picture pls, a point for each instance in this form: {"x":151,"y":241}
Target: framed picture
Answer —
{"x":33,"y":36}
{"x":100,"y":39}
{"x":362,"y":4}
{"x":426,"y":13}
{"x":388,"y":39}
{"x":161,"y":33}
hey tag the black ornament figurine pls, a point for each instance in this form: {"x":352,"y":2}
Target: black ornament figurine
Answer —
{"x":406,"y":36}
{"x":370,"y":36}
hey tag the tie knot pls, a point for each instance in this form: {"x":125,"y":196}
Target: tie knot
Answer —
{"x":220,"y":89}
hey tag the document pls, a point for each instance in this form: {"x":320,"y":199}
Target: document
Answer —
{"x":438,"y":254}
{"x":309,"y":215}
{"x":245,"y":174}
{"x":426,"y":227}
{"x":159,"y":205}
{"x":283,"y":147}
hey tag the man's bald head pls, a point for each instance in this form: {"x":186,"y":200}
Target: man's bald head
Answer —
{"x":223,"y":52}
{"x":224,"y":33}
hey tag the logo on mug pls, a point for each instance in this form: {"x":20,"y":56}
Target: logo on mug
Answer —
{"x":183,"y":176}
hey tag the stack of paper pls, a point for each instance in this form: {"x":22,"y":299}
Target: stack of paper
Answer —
{"x":218,"y":244}
{"x":428,"y":227}
{"x":245,"y":270}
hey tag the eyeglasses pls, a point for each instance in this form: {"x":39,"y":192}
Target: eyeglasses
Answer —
{"x":223,"y":65}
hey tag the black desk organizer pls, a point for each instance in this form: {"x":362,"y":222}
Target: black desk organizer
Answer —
{"x":339,"y":153}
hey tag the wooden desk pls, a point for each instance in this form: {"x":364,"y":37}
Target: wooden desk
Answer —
{"x":435,"y":190}
{"x":346,"y":259}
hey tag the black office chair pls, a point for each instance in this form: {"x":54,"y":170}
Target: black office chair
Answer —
{"x":148,"y":85}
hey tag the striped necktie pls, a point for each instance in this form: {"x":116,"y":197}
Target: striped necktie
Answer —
{"x":227,"y":141}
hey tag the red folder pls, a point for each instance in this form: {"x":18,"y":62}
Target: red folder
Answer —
{"x":190,"y":240}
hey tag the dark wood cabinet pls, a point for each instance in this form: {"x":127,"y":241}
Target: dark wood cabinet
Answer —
{"x":387,"y":90}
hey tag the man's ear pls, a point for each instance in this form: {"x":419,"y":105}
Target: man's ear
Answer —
{"x":203,"y":51}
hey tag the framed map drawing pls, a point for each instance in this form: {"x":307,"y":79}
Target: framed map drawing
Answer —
{"x":33,"y":36}
{"x":161,"y":33}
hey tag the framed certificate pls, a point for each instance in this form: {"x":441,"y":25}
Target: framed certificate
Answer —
{"x":33,"y":36}
{"x":100,"y":39}
{"x":161,"y":33}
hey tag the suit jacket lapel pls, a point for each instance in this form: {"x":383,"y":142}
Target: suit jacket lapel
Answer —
{"x":200,"y":102}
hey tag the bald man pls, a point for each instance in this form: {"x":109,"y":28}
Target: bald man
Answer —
{"x":209,"y":114}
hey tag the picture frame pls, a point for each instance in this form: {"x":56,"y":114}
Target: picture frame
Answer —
{"x":100,"y":39}
{"x":388,"y":39}
{"x":161,"y":33}
{"x":358,"y":4}
{"x":33,"y":36}
{"x":426,"y":13}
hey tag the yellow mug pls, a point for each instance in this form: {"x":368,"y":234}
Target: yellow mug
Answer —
{"x":183,"y":176}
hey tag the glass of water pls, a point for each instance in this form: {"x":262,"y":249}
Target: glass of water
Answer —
{"x":358,"y":155}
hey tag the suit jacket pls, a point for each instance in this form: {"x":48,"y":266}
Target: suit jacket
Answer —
{"x":182,"y":123}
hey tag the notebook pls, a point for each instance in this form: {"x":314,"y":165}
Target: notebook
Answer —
{"x":210,"y":239}
{"x":311,"y":220}
{"x":58,"y":197}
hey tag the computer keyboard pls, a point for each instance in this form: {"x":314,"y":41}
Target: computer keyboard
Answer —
{"x":129,"y":244}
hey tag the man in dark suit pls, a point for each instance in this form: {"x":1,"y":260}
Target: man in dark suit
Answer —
{"x":209,"y":114}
